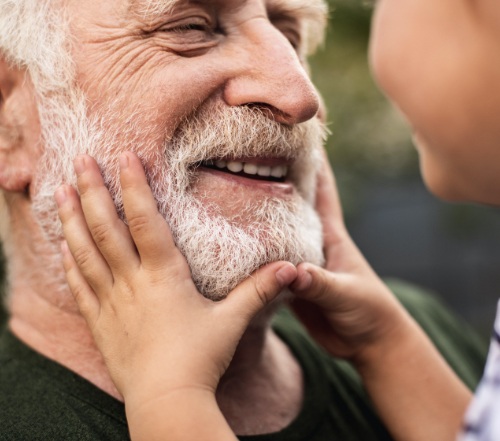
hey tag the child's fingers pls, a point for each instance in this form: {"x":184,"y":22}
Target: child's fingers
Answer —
{"x":83,"y":249}
{"x":327,"y":197}
{"x":318,"y":285}
{"x":84,"y":295}
{"x":322,"y":304}
{"x":149,"y":230}
{"x":110,"y":234}
{"x":328,"y":205}
{"x":260,"y":289}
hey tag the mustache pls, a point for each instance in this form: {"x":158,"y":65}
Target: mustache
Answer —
{"x":240,"y":132}
{"x":210,"y":133}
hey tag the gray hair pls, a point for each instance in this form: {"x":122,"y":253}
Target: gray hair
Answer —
{"x":33,"y":37}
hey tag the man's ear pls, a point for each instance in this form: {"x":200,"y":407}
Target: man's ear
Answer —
{"x":19,"y":128}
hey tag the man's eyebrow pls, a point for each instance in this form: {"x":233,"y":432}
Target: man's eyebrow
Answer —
{"x":152,"y":7}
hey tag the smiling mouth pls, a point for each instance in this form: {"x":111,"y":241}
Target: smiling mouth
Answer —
{"x":271,"y":170}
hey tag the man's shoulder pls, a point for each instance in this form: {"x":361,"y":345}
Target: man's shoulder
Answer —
{"x":41,"y":400}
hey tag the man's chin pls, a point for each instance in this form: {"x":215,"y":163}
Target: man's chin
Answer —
{"x":222,"y":253}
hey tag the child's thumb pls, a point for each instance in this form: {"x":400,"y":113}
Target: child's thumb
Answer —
{"x":318,"y":286}
{"x":260,"y":289}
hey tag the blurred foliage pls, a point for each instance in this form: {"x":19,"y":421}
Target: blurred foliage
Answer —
{"x":370,"y":140}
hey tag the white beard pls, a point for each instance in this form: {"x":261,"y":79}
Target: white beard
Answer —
{"x":221,"y":252}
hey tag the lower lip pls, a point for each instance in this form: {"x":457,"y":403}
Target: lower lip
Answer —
{"x":273,"y":188}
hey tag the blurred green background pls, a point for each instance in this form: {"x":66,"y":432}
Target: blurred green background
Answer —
{"x":403,"y":231}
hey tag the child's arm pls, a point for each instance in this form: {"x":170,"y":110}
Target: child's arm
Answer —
{"x":350,"y":311}
{"x":165,"y":345}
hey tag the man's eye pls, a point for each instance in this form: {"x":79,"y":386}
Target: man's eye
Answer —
{"x":189,"y":27}
{"x":192,"y":25}
{"x":189,"y":36}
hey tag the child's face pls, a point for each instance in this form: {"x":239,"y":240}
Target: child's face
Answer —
{"x":439,"y":61}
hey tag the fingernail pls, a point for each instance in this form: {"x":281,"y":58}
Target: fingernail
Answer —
{"x":79,"y":164}
{"x":304,"y":282}
{"x":61,"y":196}
{"x":284,"y":275}
{"x":124,"y":161}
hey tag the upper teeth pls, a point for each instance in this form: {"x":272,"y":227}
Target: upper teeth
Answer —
{"x":278,"y":171}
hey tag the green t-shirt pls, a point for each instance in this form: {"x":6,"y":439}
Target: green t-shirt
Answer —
{"x":3,"y":315}
{"x":41,"y":400}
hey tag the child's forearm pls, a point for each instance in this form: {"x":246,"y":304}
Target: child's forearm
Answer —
{"x":182,"y":415}
{"x":416,"y":393}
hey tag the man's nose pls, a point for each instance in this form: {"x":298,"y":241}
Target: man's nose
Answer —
{"x":269,"y":75}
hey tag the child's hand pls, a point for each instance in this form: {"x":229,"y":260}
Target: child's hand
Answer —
{"x":157,"y":333}
{"x":349,"y":310}
{"x":345,"y":306}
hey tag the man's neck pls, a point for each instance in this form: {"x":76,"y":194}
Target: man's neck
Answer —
{"x":261,"y":391}
{"x":60,"y":335}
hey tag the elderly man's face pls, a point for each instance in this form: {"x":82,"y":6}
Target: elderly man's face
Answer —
{"x":214,"y":98}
